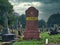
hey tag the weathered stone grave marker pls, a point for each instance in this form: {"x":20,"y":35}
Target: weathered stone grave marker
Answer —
{"x":31,"y":31}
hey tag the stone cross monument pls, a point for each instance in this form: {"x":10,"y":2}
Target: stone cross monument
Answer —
{"x":31,"y":31}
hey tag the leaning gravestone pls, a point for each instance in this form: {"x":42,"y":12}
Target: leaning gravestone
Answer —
{"x":31,"y":31}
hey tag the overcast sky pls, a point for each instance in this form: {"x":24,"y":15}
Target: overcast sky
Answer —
{"x":46,"y":7}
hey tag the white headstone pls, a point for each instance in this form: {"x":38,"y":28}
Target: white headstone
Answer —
{"x":46,"y":41}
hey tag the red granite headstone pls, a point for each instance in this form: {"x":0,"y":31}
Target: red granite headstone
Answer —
{"x":31,"y":31}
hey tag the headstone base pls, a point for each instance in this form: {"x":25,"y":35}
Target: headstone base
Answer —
{"x":31,"y":34}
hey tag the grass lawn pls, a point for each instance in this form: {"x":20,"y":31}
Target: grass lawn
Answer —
{"x":52,"y":39}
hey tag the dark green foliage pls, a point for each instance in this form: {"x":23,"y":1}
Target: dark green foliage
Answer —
{"x":6,"y":10}
{"x":5,"y":6}
{"x":41,"y":23}
{"x":22,"y":19}
{"x":54,"y":19}
{"x":12,"y":19}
